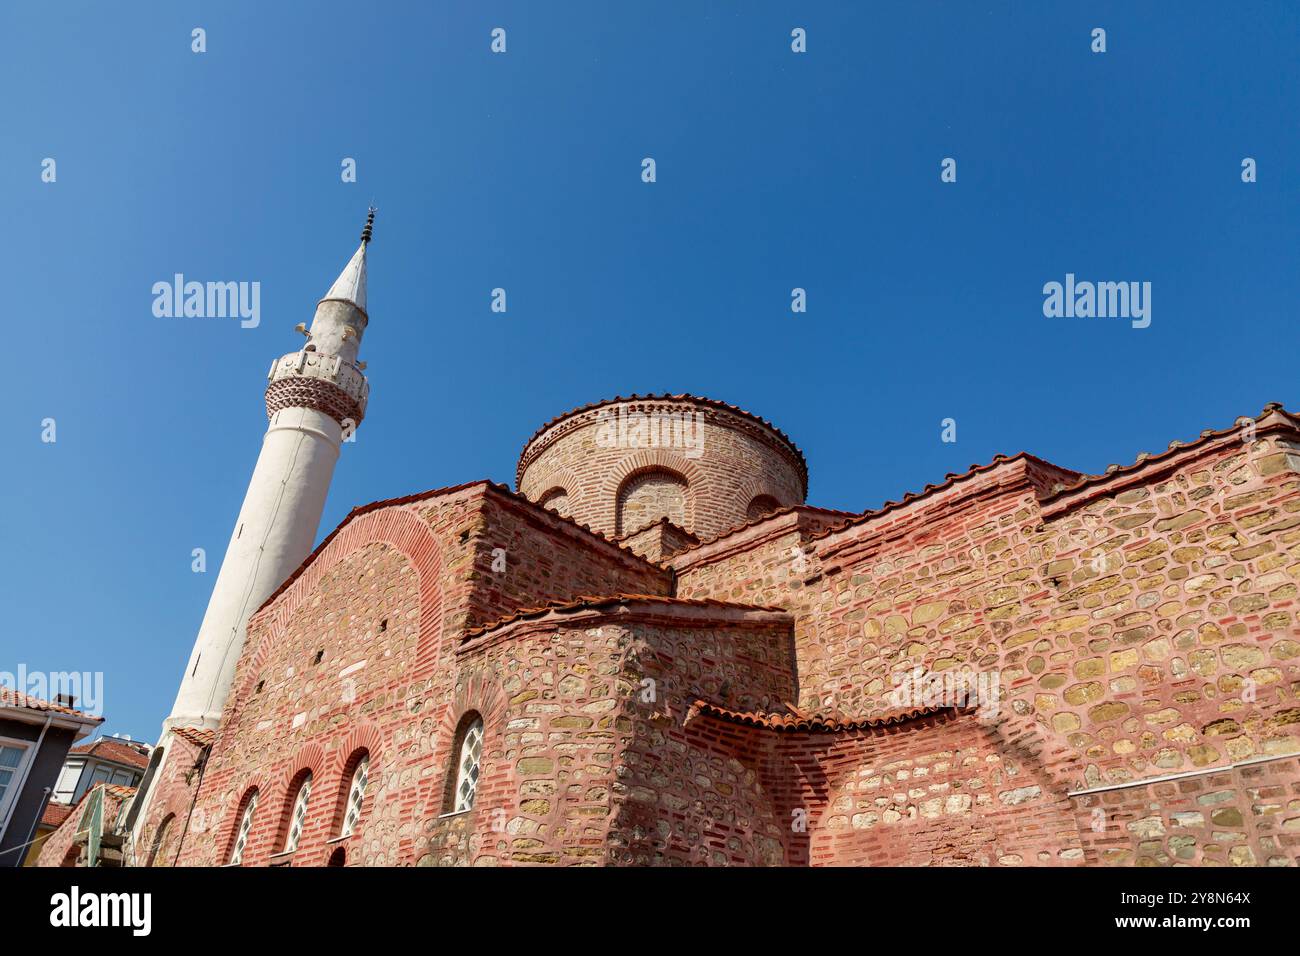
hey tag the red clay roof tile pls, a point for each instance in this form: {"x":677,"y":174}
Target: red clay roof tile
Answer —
{"x":811,"y":723}
{"x":118,"y":751}
{"x":55,"y":813}
{"x":683,"y":397}
{"x":9,"y":697}
{"x":491,"y":486}
{"x":586,"y":603}
{"x":1273,"y":415}
{"x":199,"y":736}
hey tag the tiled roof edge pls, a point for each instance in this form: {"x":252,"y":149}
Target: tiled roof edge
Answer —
{"x":666,"y":396}
{"x":1273,"y":416}
{"x":488,"y":485}
{"x":595,"y":603}
{"x":813,"y":723}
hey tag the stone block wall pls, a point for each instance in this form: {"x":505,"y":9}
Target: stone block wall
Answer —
{"x":571,"y":775}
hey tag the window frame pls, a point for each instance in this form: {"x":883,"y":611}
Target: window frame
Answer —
{"x":472,"y":721}
{"x":301,"y":797}
{"x":348,"y":824}
{"x":17,"y":772}
{"x":247,"y":811}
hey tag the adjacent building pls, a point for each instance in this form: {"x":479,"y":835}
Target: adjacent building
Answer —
{"x":35,"y":736}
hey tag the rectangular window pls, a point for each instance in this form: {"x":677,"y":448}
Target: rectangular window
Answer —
{"x":11,"y":762}
{"x":66,"y":786}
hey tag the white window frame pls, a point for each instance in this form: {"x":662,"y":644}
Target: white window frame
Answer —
{"x":245,"y":827}
{"x":19,"y":775}
{"x":66,"y":794}
{"x":356,"y":796}
{"x":469,"y":765}
{"x":298,"y":816}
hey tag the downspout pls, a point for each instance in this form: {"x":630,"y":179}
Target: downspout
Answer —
{"x":45,"y":799}
{"x":27,"y":771}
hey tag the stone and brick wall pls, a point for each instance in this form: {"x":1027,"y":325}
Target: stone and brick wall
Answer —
{"x":1139,"y":627}
{"x":1247,"y":815}
{"x":1146,"y":620}
{"x":584,"y":759}
{"x":355,"y":654}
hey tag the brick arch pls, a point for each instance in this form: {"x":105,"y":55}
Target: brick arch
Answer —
{"x":400,"y":528}
{"x":650,"y":459}
{"x":310,"y":757}
{"x":225,"y":833}
{"x":551,"y":479}
{"x":752,"y":488}
{"x":365,"y":736}
{"x":167,"y":800}
{"x":478,"y":691}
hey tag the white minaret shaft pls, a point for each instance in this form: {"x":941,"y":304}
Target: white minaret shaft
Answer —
{"x":315,"y":398}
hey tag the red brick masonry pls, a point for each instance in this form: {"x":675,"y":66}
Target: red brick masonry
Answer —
{"x":736,"y":704}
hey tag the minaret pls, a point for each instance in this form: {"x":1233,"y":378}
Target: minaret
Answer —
{"x":315,"y":398}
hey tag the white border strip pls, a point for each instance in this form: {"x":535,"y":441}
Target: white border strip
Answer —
{"x":1179,"y":776}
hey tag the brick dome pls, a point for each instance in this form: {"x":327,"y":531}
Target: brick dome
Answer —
{"x":624,"y":463}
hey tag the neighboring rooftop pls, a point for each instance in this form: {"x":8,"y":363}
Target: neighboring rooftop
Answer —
{"x":9,"y":697}
{"x":128,"y":752}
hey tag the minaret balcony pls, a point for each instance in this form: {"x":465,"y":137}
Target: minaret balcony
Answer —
{"x":326,"y":380}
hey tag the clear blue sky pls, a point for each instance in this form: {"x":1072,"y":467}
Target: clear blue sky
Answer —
{"x":522,"y":170}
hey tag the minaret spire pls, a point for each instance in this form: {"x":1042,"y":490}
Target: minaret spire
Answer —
{"x":315,"y":399}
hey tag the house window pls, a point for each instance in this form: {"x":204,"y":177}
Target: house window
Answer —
{"x":100,"y":775}
{"x":356,"y":794}
{"x":469,"y":756}
{"x":123,"y":778}
{"x":66,"y":787}
{"x":245,"y":825}
{"x":11,"y":758}
{"x":298,"y":815}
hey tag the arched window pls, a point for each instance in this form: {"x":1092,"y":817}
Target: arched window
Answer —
{"x":557,"y":499}
{"x":761,"y":506}
{"x":356,"y":794}
{"x":298,"y":815}
{"x":469,"y":755}
{"x":159,"y":854}
{"x":245,"y":826}
{"x":338,"y":858}
{"x":650,"y":495}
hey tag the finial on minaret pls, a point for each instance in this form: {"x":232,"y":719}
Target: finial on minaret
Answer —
{"x":368,"y":231}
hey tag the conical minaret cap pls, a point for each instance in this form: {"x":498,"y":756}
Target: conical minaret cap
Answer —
{"x":350,"y":286}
